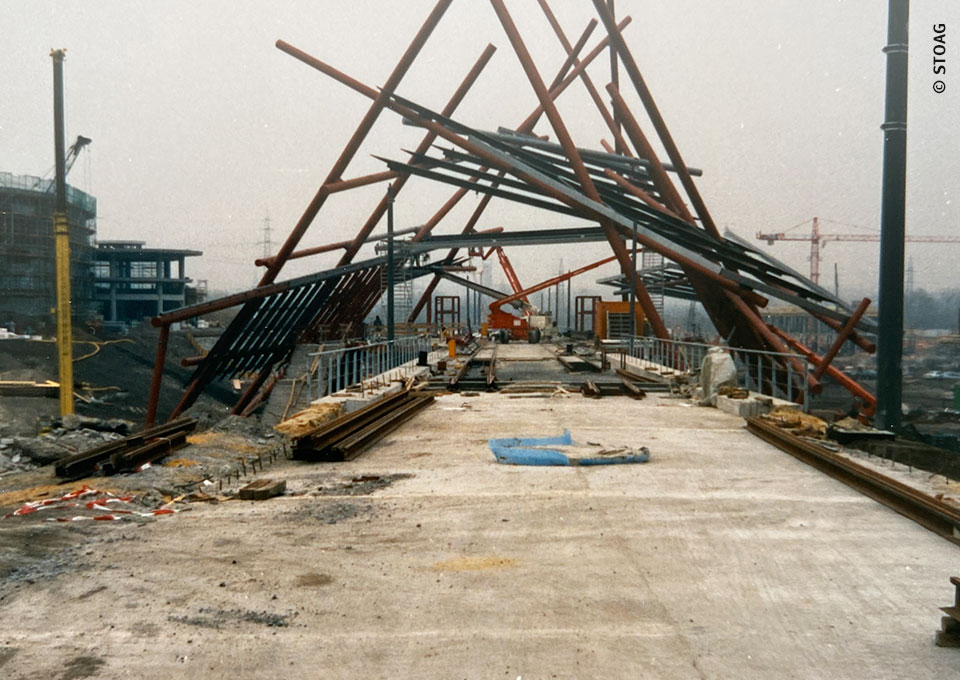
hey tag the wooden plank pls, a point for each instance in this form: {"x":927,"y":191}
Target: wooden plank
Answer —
{"x":262,"y":489}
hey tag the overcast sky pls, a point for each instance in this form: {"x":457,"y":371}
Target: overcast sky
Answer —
{"x":201,"y":127}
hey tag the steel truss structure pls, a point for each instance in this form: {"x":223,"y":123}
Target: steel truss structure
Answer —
{"x":625,"y":189}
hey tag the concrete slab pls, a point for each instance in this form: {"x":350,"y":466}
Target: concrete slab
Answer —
{"x":721,"y":558}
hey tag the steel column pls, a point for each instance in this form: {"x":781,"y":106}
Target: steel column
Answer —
{"x":892,"y":218}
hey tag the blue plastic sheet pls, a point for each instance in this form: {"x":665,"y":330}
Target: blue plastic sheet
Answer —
{"x":537,"y":451}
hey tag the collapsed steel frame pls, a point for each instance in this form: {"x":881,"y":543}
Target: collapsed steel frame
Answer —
{"x":625,"y":189}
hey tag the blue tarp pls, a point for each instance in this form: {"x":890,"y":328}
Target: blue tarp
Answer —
{"x":537,"y":451}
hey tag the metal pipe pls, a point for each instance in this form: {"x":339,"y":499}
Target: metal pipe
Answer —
{"x":771,"y":338}
{"x":892,"y":216}
{"x":837,"y":375}
{"x":645,"y":150}
{"x":610,"y":121}
{"x":390,"y":265}
{"x":524,"y":128}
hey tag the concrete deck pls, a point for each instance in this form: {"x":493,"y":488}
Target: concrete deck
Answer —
{"x":721,"y":558}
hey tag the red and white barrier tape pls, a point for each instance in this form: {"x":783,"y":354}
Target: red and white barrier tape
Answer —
{"x":99,"y":503}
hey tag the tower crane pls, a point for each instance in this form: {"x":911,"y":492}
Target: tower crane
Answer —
{"x":816,"y":239}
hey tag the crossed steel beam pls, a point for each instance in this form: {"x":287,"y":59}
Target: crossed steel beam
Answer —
{"x":625,"y":189}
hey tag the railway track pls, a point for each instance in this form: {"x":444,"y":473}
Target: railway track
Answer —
{"x":939,"y":517}
{"x":349,"y":435}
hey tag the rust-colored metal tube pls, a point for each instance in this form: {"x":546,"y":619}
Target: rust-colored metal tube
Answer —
{"x":633,"y":71}
{"x":862,"y":342}
{"x":353,"y":144}
{"x":587,"y":81}
{"x":526,"y":127}
{"x":216,"y":305}
{"x":531,"y":120}
{"x":249,"y":393}
{"x":645,"y":150}
{"x":365,"y":180}
{"x":842,"y":337}
{"x":157,"y":379}
{"x":839,"y":376}
{"x":633,"y":189}
{"x":459,"y":94}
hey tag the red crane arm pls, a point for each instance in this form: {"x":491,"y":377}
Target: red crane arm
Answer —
{"x":497,"y":304}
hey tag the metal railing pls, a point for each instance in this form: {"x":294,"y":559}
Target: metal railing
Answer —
{"x":778,"y":374}
{"x":334,"y":370}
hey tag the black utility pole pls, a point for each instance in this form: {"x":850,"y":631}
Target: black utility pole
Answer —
{"x":633,"y":289}
{"x":892,"y":214}
{"x":390,"y":264}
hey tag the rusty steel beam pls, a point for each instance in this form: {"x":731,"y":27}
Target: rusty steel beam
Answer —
{"x":610,"y":121}
{"x":841,"y":378}
{"x":633,"y":189}
{"x":861,"y":341}
{"x":330,"y":247}
{"x":353,"y":144}
{"x":531,"y":120}
{"x":579,"y":169}
{"x":355,"y":182}
{"x":841,"y":338}
{"x":633,"y":71}
{"x":458,"y":96}
{"x":645,"y":150}
{"x":526,"y":127}
{"x":249,"y":393}
{"x":157,"y":379}
{"x":423,"y":147}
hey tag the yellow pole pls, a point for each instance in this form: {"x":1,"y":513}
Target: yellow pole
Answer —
{"x":61,"y":232}
{"x":61,"y":235}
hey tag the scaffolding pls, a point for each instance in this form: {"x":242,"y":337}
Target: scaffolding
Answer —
{"x":27,"y":246}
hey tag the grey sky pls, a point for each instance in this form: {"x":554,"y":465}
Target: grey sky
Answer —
{"x":201,"y":127}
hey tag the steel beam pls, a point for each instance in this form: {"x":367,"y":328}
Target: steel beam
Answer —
{"x":353,"y":144}
{"x":892,"y":218}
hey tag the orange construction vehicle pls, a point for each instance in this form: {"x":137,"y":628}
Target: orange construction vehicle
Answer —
{"x":519,"y":328}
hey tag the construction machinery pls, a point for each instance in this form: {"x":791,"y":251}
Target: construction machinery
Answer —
{"x":519,"y":328}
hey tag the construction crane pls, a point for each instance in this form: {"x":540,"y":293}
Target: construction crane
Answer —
{"x":69,"y":159}
{"x":816,"y":238}
{"x":508,"y":270}
{"x":518,"y":328}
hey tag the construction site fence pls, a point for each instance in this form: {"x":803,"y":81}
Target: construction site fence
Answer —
{"x":771,"y":373}
{"x":334,"y":370}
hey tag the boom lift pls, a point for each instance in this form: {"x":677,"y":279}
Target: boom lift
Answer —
{"x":532,"y":318}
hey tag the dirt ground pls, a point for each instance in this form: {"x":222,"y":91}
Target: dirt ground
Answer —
{"x":116,"y":372}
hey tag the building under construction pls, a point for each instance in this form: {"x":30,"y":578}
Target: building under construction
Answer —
{"x":27,"y":247}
